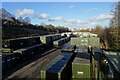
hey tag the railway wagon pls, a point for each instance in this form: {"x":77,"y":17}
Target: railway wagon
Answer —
{"x":59,"y":69}
{"x":75,"y":41}
{"x":85,"y":41}
{"x":56,"y":37}
{"x":79,"y":41}
{"x":39,"y":48}
{"x":47,"y":40}
{"x":60,"y":42}
{"x":8,"y":61}
{"x":13,"y":44}
{"x":81,"y":68}
{"x":68,"y":48}
{"x":44,"y":71}
{"x":97,"y":54}
{"x":24,"y":53}
{"x":67,"y":39}
{"x":94,"y":41}
{"x":33,"y":41}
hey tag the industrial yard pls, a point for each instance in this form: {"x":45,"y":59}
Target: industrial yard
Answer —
{"x":60,"y":41}
{"x":56,"y":56}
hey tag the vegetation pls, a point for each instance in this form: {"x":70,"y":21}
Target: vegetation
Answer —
{"x":21,"y":27}
{"x":114,"y":29}
{"x":110,"y":36}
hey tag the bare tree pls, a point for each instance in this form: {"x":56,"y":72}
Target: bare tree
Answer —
{"x":20,"y":19}
{"x":27,"y":20}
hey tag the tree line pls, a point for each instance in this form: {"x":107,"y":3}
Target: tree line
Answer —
{"x":9,"y":20}
{"x":110,"y":36}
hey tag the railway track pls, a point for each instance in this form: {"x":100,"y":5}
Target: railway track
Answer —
{"x":33,"y":69}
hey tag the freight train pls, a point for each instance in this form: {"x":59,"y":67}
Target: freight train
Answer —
{"x":18,"y":50}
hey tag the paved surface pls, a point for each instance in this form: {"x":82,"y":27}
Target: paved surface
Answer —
{"x":33,"y":69}
{"x":114,"y":57}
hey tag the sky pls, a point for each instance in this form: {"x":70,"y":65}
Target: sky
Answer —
{"x":69,"y":14}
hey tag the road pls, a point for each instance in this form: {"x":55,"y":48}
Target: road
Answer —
{"x":33,"y":69}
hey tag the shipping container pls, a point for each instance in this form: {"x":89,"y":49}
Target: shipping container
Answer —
{"x":81,"y":69}
{"x":4,"y":64}
{"x":75,"y":41}
{"x":33,"y":41}
{"x":44,"y":71}
{"x":85,"y":41}
{"x":59,"y":69}
{"x":39,"y":48}
{"x":6,"y":50}
{"x":57,"y":43}
{"x":69,"y":55}
{"x":61,"y":41}
{"x":68,"y":48}
{"x":97,"y":54}
{"x":46,"y":39}
{"x":14,"y":44}
{"x":8,"y":61}
{"x":25,"y":53}
{"x":62,"y":69}
{"x":55,"y":37}
{"x":94,"y":42}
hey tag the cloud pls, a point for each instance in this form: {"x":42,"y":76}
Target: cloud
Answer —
{"x":93,"y":23}
{"x":56,"y":19}
{"x":102,"y":17}
{"x":71,"y":6}
{"x":91,"y":9}
{"x":24,"y":12}
{"x":76,"y":21}
{"x":43,"y":16}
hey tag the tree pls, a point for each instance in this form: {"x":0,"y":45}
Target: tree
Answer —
{"x":5,"y":14}
{"x":27,"y":20}
{"x":20,"y":19}
{"x":113,"y":32}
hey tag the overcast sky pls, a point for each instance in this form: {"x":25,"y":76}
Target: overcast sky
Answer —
{"x":70,"y":14}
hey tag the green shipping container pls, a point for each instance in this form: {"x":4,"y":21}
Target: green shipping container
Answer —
{"x":79,"y":41}
{"x":94,"y":42}
{"x":75,"y":41}
{"x":33,"y":41}
{"x":89,"y":41}
{"x":14,"y":44}
{"x":80,"y":69}
{"x":43,"y":72}
{"x":46,"y":39}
